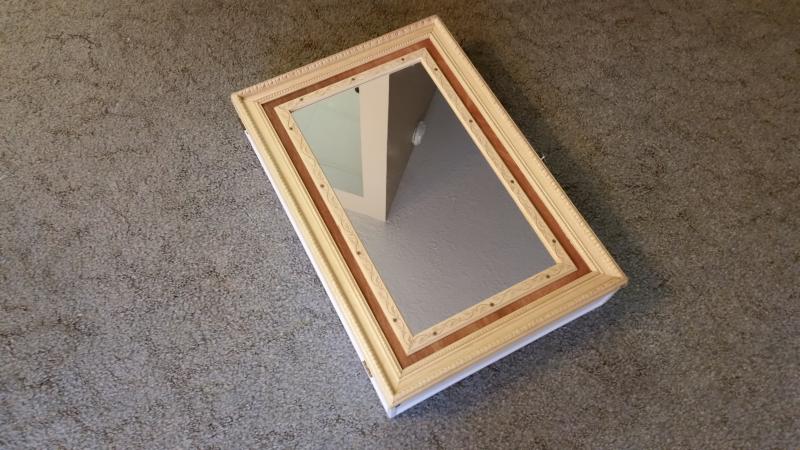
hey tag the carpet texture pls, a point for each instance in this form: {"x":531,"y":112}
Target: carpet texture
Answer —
{"x":154,"y":294}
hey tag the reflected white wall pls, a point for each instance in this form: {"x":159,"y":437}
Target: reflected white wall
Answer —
{"x":331,"y":128}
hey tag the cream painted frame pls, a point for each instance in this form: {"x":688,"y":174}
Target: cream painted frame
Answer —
{"x":574,"y":287}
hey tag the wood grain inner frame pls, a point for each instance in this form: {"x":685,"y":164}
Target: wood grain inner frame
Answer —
{"x":404,"y":359}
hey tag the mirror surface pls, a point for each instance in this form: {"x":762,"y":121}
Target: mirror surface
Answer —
{"x":441,"y":229}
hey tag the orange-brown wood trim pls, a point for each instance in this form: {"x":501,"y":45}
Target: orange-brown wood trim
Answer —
{"x":403,"y":359}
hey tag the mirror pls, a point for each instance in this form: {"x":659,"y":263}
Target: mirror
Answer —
{"x":437,"y":223}
{"x":441,"y":239}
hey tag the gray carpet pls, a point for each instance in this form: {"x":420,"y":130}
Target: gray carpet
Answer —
{"x":154,"y":294}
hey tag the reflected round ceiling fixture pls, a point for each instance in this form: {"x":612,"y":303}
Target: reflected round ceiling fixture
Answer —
{"x":419,"y":132}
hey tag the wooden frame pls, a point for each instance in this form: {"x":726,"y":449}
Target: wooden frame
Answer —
{"x":405,"y":368}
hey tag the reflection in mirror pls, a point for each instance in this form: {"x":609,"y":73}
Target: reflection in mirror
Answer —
{"x":434,"y":218}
